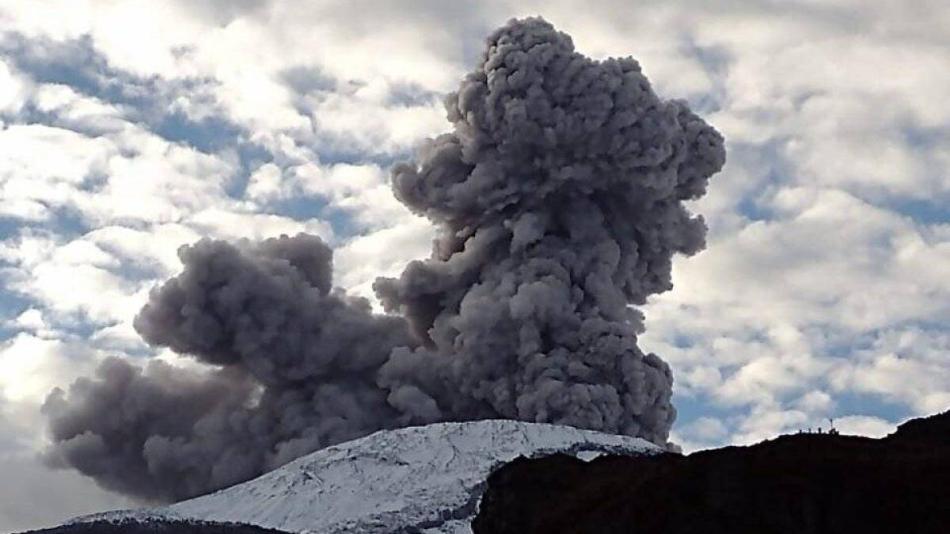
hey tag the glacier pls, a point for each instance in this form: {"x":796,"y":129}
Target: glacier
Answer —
{"x":424,"y":479}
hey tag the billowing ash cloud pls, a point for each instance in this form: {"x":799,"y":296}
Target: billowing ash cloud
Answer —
{"x":559,"y":203}
{"x":295,"y":370}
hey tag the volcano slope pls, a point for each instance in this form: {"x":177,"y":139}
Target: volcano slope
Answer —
{"x":804,"y":483}
{"x":156,"y":526}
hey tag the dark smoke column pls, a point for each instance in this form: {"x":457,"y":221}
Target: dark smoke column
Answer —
{"x":558,"y":199}
{"x":559,"y":202}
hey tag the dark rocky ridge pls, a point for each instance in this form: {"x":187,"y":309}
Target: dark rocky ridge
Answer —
{"x":804,"y":483}
{"x":153,"y":526}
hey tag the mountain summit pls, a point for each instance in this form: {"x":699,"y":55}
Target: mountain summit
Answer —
{"x":416,"y":479}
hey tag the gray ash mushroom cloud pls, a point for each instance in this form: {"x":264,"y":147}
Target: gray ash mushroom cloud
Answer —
{"x":558,"y":199}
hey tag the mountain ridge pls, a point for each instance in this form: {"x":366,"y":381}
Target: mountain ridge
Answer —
{"x":801,"y":483}
{"x":414,"y":479}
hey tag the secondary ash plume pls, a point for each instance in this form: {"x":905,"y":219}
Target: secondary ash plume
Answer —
{"x":559,"y":202}
{"x":295,"y":363}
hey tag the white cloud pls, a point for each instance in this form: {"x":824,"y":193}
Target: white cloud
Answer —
{"x":864,"y":425}
{"x":131,"y":177}
{"x":701,"y":433}
{"x":30,"y":366}
{"x":372,"y":125}
{"x":76,"y":111}
{"x":384,"y":252}
{"x":225,"y":224}
{"x":67,"y":159}
{"x":24,"y":209}
{"x":907,"y":365}
{"x":31,"y":319}
{"x":266,"y":183}
{"x":768,"y":422}
{"x":154,"y":247}
{"x":831,"y":271}
{"x":815,"y":401}
{"x":72,"y":279}
{"x":13,"y":90}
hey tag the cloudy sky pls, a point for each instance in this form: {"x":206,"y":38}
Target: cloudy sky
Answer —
{"x":129,"y":128}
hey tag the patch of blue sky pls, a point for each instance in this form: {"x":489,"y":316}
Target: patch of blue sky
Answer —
{"x":334,"y":149}
{"x":869,"y":404}
{"x":76,"y":325}
{"x":29,"y":114}
{"x":9,"y":227}
{"x":209,"y":134}
{"x":690,"y":407}
{"x":922,"y":211}
{"x":682,"y":340}
{"x":11,"y":306}
{"x":64,"y":222}
{"x":302,"y":208}
{"x":307,"y":79}
{"x":134,"y":269}
{"x":714,"y":61}
{"x":250,"y":157}
{"x":74,"y":63}
{"x":925,"y":137}
{"x":844,"y":344}
{"x":412,"y":95}
{"x":771,"y":170}
{"x":753,"y":208}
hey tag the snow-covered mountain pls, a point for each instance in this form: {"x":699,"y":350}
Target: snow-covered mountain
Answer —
{"x":417,"y":479}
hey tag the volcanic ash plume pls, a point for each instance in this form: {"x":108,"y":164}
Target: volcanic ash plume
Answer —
{"x":294,"y":370}
{"x":559,"y":202}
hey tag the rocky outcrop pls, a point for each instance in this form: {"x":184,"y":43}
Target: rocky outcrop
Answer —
{"x":805,"y":483}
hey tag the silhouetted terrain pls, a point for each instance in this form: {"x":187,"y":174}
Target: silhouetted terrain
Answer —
{"x":805,"y":483}
{"x":152,"y":526}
